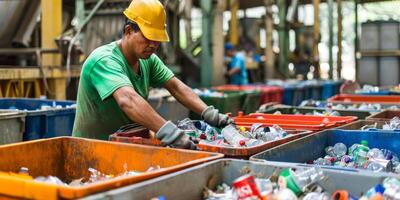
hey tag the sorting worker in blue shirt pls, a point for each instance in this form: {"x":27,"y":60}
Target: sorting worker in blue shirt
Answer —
{"x":237,"y":72}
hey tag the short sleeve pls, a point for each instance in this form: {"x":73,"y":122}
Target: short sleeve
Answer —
{"x":159,"y":73}
{"x":235,"y":63}
{"x":107,"y":76}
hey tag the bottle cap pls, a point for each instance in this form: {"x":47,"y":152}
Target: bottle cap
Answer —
{"x":364,"y":142}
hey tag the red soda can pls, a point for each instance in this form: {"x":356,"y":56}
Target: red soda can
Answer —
{"x":246,"y":188}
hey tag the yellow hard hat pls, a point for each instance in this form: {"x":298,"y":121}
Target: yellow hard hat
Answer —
{"x":150,"y":17}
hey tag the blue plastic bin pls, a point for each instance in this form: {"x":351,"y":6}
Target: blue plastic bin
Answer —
{"x":293,"y":94}
{"x":330,"y":88}
{"x":381,"y":92}
{"x":313,"y":147}
{"x":43,"y":123}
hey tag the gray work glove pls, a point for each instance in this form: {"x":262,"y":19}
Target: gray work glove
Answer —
{"x":171,"y":135}
{"x":214,"y":118}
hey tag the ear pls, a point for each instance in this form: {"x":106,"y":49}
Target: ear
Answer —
{"x":128,"y":30}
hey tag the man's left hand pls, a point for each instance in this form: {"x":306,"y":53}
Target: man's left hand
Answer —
{"x":214,"y":118}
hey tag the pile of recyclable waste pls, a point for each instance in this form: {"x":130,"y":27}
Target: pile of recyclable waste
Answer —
{"x":231,"y":136}
{"x":301,"y":184}
{"x":360,"y":156}
{"x":393,"y":124}
{"x":95,"y":176}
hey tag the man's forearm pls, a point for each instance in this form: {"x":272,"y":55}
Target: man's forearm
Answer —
{"x":185,"y":95}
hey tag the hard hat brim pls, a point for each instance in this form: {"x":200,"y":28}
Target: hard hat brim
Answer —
{"x":154,"y":34}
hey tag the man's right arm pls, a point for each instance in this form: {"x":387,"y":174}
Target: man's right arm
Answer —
{"x":137,"y":108}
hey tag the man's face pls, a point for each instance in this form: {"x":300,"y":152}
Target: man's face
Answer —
{"x":139,"y":45}
{"x":230,"y":53}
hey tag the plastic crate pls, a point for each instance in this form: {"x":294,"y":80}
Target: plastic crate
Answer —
{"x":190,"y":183}
{"x":313,"y":90}
{"x":313,"y":147}
{"x":307,"y":110}
{"x":12,"y":126}
{"x":293,"y":94}
{"x":169,"y":109}
{"x":43,"y":123}
{"x":385,"y":115}
{"x":330,"y":88}
{"x":69,"y":158}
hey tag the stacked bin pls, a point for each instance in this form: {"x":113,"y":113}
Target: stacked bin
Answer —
{"x":212,"y":174}
{"x":42,"y":119}
{"x":310,"y":148}
{"x":69,"y":159}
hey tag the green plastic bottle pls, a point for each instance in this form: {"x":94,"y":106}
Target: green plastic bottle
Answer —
{"x":360,"y":153}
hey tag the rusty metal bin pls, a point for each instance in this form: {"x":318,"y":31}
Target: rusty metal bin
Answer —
{"x":69,"y":158}
{"x":190,"y":183}
{"x":142,"y":136}
{"x":385,"y":115}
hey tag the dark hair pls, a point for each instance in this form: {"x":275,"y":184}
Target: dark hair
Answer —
{"x":132,"y":24}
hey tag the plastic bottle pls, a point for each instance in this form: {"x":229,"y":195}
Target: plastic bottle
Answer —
{"x":339,"y":149}
{"x":329,"y":151}
{"x":317,"y":196}
{"x":297,"y":181}
{"x":210,"y":132}
{"x":233,"y":137}
{"x":360,"y":153}
{"x":375,"y":153}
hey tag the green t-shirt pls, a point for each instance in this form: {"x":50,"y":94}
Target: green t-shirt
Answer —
{"x":104,"y":71}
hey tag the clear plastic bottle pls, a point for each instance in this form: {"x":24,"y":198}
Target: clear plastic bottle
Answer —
{"x":317,"y":196}
{"x":375,"y":153}
{"x":233,"y":137}
{"x":339,"y":149}
{"x":300,"y":178}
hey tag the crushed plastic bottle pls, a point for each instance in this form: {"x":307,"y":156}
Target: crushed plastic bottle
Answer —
{"x":317,"y":196}
{"x":394,"y":124}
{"x":233,"y":137}
{"x":339,"y":149}
{"x":300,"y":178}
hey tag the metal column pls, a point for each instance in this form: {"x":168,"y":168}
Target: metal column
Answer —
{"x":330,"y":46}
{"x":283,"y":39}
{"x":206,"y":38}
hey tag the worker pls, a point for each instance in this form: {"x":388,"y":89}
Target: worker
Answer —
{"x":116,"y":77}
{"x":237,"y":72}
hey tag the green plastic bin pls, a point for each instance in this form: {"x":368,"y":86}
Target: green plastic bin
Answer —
{"x":12,"y":126}
{"x":231,"y":102}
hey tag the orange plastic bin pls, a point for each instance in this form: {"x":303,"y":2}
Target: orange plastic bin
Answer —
{"x":69,"y":158}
